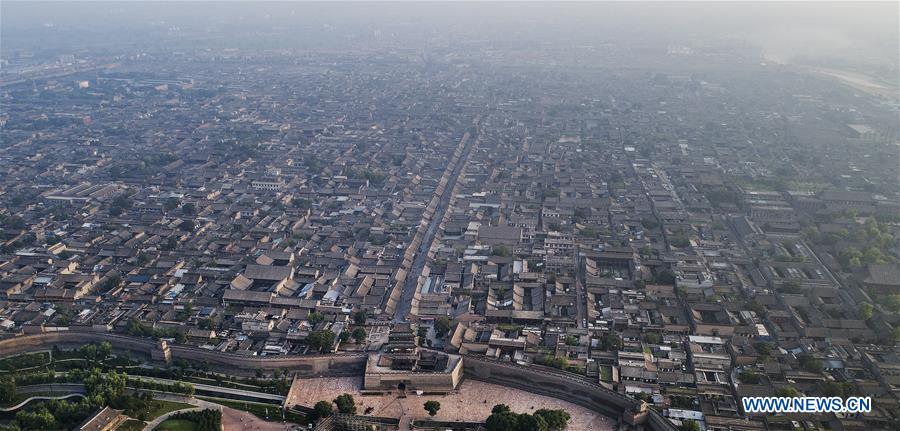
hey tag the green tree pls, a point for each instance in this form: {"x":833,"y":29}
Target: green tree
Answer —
{"x":360,"y":317}
{"x":664,"y":277}
{"x":207,"y":323}
{"x":110,"y":283}
{"x":88,"y":351}
{"x":758,"y":308}
{"x":186,"y":312}
{"x":432,"y":407}
{"x":7,"y":389}
{"x":787,"y":391}
{"x":892,"y":303}
{"x":170,"y":244}
{"x":556,"y":419}
{"x":611,"y":342}
{"x":506,"y":421}
{"x":528,"y":422}
{"x":39,"y":419}
{"x":690,"y":425}
{"x":12,"y":426}
{"x":187,"y":225}
{"x":104,"y":350}
{"x":136,"y":328}
{"x":500,"y":250}
{"x":171,"y":203}
{"x":315,"y":318}
{"x":810,"y":364}
{"x":345,"y":404}
{"x":322,"y":409}
{"x":321,"y":340}
{"x":359,"y":335}
{"x":836,"y":389}
{"x":552,"y":361}
{"x":865,"y":311}
{"x":652,"y":338}
{"x":104,"y":386}
{"x":749,"y":377}
{"x":679,"y":239}
{"x":650,"y":223}
{"x":119,"y":204}
{"x":442,"y":326}
{"x":502,"y":419}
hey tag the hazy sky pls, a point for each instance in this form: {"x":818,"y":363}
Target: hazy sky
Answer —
{"x":782,"y":30}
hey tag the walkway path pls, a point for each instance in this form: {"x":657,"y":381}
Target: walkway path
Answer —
{"x":30,"y":399}
{"x":406,"y":423}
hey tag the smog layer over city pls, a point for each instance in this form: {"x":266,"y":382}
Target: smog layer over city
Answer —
{"x":468,"y":216}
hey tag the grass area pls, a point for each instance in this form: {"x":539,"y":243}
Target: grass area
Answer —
{"x":131,"y":425}
{"x":509,"y":327}
{"x":267,"y":412}
{"x":158,"y":408}
{"x":24,"y":361}
{"x":605,"y":373}
{"x":18,"y":398}
{"x":176,"y":425}
{"x":222,"y":383}
{"x":808,"y":186}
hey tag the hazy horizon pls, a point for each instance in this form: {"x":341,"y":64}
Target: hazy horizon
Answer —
{"x":862,"y":33}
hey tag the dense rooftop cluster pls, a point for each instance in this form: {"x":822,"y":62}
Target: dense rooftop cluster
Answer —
{"x":684,"y":236}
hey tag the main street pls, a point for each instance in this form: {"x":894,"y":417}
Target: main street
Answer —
{"x":409,"y":289}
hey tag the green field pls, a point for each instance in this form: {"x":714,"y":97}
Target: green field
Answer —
{"x":176,"y":425}
{"x":131,"y":425}
{"x":158,"y":408}
{"x":605,"y":373}
{"x":268,"y":412}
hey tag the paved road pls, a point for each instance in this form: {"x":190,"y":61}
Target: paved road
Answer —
{"x":67,"y":388}
{"x":580,"y":292}
{"x":409,"y":289}
{"x":218,"y":389}
{"x":406,"y":423}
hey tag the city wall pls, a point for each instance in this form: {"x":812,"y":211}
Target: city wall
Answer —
{"x":566,"y":387}
{"x":304,"y":366}
{"x":538,"y":380}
